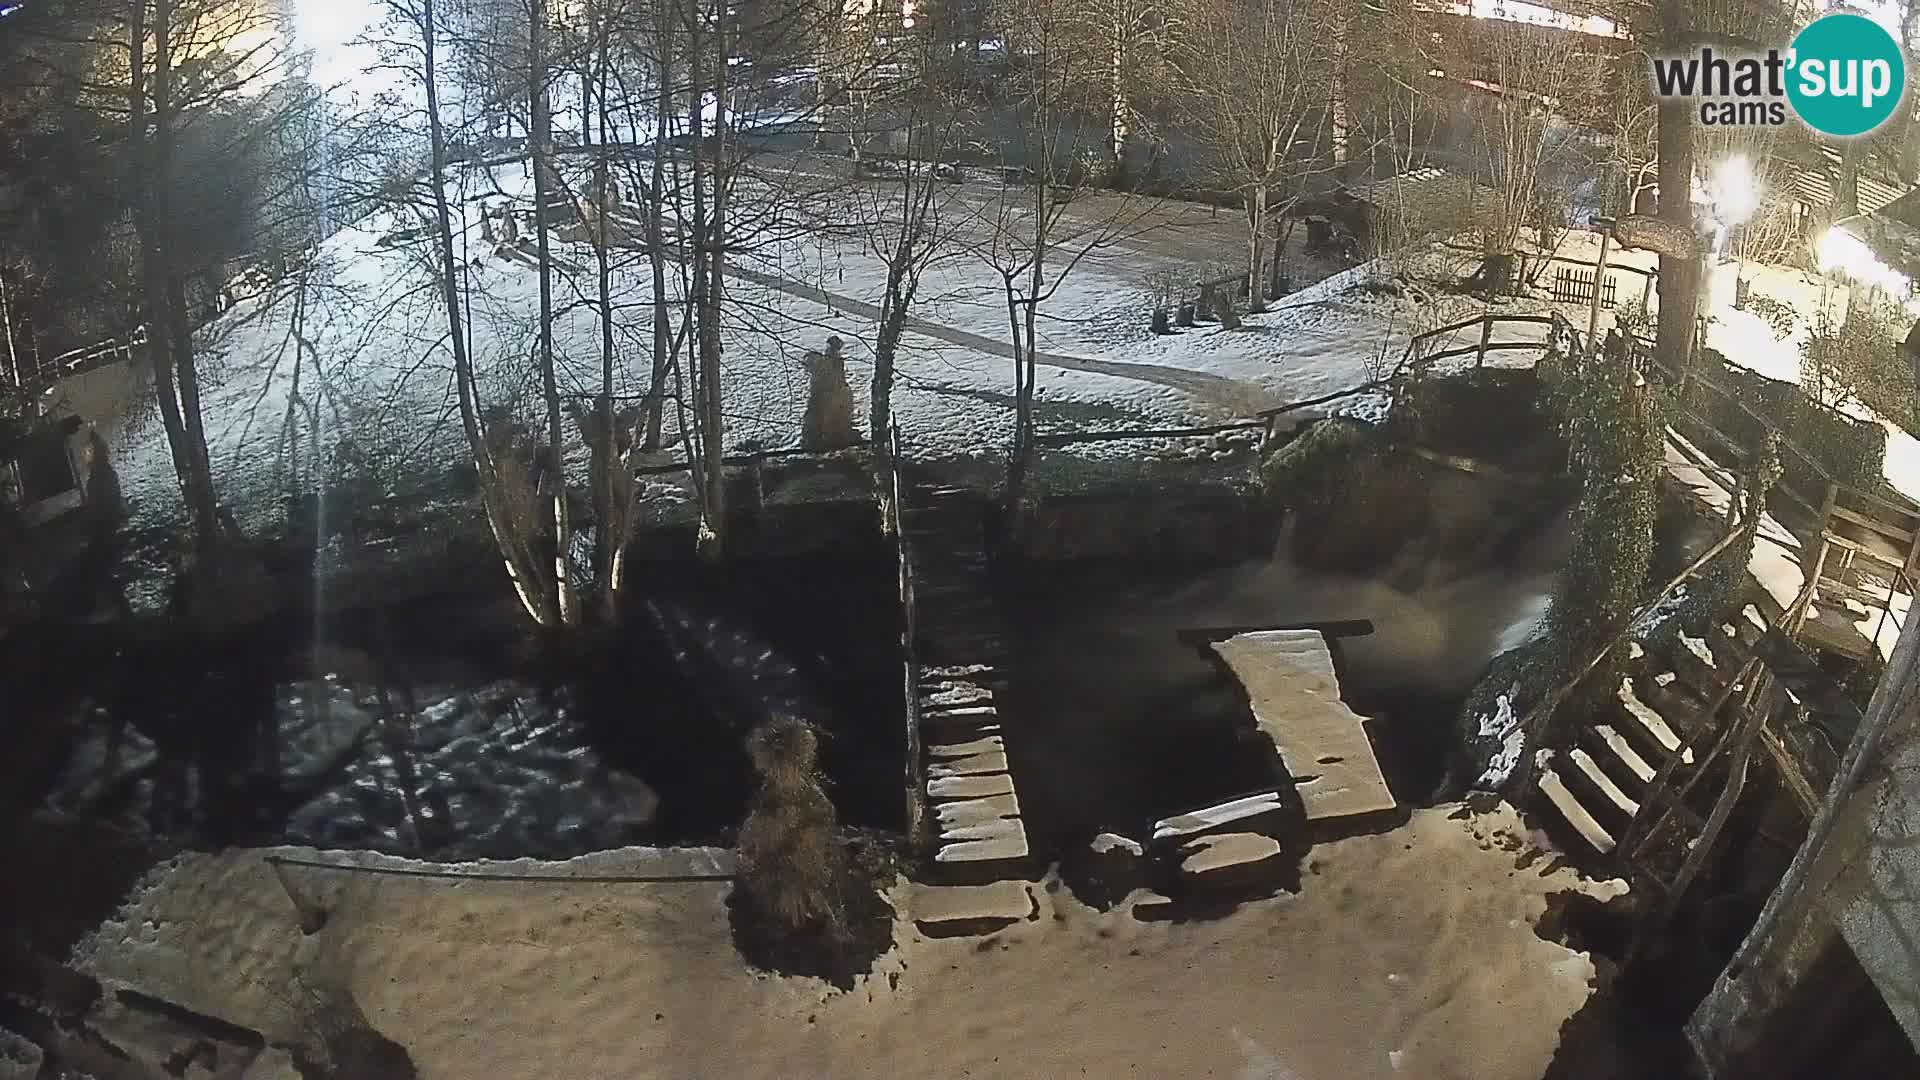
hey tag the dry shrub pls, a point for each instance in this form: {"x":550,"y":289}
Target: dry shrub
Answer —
{"x":791,"y":862}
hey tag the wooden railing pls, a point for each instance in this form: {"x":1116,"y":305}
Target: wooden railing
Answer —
{"x":1415,"y":359}
{"x":86,"y":358}
{"x":1067,"y":438}
{"x":893,"y":517}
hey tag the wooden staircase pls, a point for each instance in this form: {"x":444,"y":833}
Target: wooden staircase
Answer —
{"x":959,"y":640}
{"x":1600,"y":785}
{"x":1868,"y":549}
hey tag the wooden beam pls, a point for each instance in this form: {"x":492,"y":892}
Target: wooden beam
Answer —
{"x":1886,"y":529}
{"x":1659,"y":236}
{"x":1204,"y":636}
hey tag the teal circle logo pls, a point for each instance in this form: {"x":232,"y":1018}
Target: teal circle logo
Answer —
{"x":1845,"y":75}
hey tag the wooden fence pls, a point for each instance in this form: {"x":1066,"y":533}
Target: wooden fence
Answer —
{"x":1572,"y":286}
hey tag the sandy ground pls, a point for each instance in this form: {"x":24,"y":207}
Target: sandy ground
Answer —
{"x":1409,"y":954}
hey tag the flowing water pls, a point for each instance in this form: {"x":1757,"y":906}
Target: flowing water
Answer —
{"x":434,"y":732}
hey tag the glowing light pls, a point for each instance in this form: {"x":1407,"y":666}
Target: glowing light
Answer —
{"x":1841,"y":252}
{"x":1733,"y":192}
{"x":1725,"y":199}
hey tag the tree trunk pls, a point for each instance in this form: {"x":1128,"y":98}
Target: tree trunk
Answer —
{"x":169,"y":336}
{"x":1256,"y":247}
{"x":657,"y":235}
{"x":1337,"y":110}
{"x":1679,"y":276}
{"x":610,"y":513}
{"x":519,"y":562}
{"x":710,"y":378}
{"x":539,"y":140}
{"x":1120,"y":120}
{"x":1846,"y":192}
{"x":893,"y":321}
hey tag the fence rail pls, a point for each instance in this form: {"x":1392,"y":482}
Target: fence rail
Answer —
{"x":86,"y":358}
{"x":893,"y":515}
{"x":1561,"y":333}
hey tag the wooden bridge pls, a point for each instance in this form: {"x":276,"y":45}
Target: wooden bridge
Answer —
{"x":45,"y":372}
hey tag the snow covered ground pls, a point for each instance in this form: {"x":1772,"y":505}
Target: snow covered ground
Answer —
{"x":1406,"y":954}
{"x":359,"y":352}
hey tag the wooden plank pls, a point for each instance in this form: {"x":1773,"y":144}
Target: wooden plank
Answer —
{"x":1886,"y":529}
{"x":1804,"y":679}
{"x":1212,"y":817}
{"x":1624,"y":750}
{"x":1790,"y":772}
{"x":1891,"y":562}
{"x":1576,"y":815}
{"x":1598,"y":777}
{"x":1832,"y":590}
{"x":1652,"y":722}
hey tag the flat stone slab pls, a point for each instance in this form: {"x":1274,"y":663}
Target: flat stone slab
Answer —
{"x":969,"y":787}
{"x":954,"y":815}
{"x":992,"y":761}
{"x":1004,"y":841}
{"x":1226,"y":851}
{"x":988,"y":744}
{"x":1206,"y":819}
{"x":955,"y":695}
{"x":1295,"y":694}
{"x":1001,"y":901}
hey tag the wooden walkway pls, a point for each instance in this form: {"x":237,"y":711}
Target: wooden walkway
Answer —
{"x":1290,"y":682}
{"x":978,"y":828}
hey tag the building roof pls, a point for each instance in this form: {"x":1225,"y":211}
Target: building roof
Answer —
{"x":1814,"y":186}
{"x":1430,"y":197}
{"x":1891,"y":231}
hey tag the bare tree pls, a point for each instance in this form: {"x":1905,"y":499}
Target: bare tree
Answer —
{"x":1535,"y":77}
{"x":415,"y":48}
{"x":226,"y":48}
{"x":1256,"y":86}
{"x":546,"y":199}
{"x":1032,"y":239}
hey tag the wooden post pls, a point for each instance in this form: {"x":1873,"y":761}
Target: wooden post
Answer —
{"x":1486,"y":337}
{"x":1599,"y":278}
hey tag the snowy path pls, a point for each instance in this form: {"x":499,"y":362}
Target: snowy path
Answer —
{"x":1235,"y":395}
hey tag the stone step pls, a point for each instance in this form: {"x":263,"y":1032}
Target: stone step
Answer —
{"x":971,"y":910}
{"x":1233,"y":861}
{"x":985,"y":744}
{"x":990,"y":841}
{"x":981,"y":764}
{"x":1570,"y":810}
{"x":969,"y":787}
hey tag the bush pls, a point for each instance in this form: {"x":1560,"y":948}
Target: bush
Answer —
{"x":1615,"y":427}
{"x":1778,"y":316}
{"x":791,"y":864}
{"x":1852,"y":451}
{"x":1861,"y":358}
{"x":1299,"y":473}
